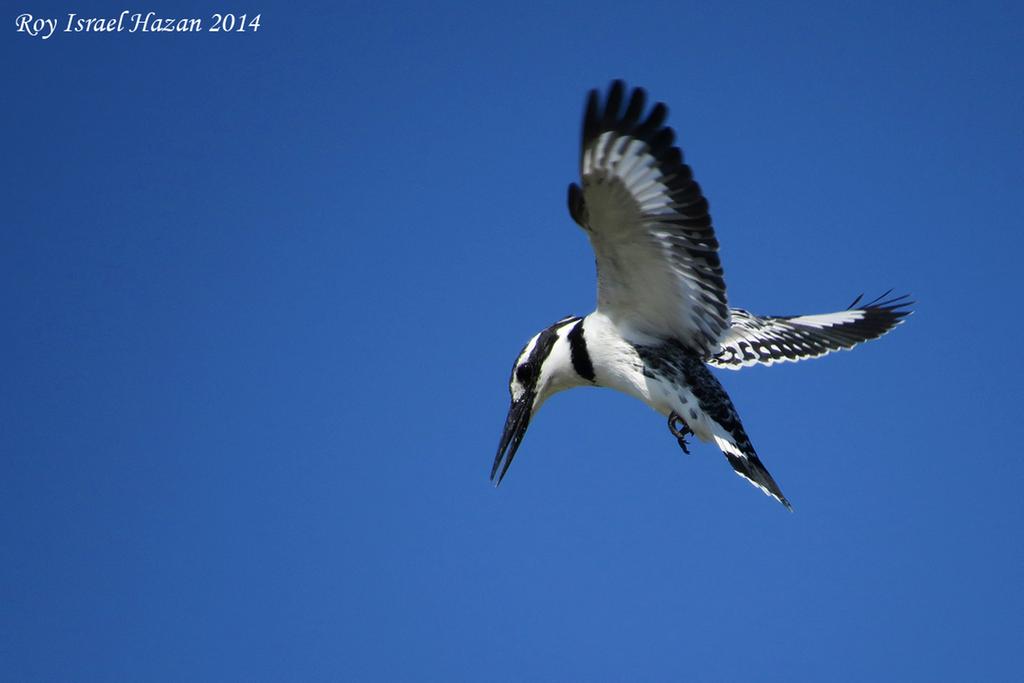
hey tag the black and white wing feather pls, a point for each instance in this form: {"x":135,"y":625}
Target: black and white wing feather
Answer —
{"x":658,"y":270}
{"x":752,"y":340}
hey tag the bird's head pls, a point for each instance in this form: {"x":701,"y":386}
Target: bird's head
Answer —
{"x":542,"y":369}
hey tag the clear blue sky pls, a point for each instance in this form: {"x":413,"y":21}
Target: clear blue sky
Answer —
{"x":261,"y":294}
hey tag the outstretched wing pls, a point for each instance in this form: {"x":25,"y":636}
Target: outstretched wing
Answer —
{"x":766,"y":340}
{"x":658,"y":271}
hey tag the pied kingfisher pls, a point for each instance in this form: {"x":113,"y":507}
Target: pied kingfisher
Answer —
{"x":662,"y":315}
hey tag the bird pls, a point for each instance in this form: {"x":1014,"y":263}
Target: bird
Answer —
{"x":662,"y":317}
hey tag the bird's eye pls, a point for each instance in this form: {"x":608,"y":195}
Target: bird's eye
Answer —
{"x":524,"y":373}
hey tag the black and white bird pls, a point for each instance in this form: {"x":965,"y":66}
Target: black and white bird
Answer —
{"x":662,"y":316}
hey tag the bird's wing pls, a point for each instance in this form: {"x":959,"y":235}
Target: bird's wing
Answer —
{"x":751,"y":339}
{"x":658,"y":271}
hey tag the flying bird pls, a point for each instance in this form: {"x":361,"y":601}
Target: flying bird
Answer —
{"x":662,"y":316}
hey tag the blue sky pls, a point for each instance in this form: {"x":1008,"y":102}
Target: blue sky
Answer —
{"x":262,"y":293}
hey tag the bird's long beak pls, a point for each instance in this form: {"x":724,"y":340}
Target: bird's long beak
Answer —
{"x":515,"y":428}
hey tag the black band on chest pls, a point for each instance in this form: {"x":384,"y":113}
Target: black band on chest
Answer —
{"x":578,"y":350}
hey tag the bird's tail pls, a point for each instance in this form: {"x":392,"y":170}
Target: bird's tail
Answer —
{"x":741,"y":455}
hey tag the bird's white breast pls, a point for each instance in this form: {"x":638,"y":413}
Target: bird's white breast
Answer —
{"x":618,"y":366}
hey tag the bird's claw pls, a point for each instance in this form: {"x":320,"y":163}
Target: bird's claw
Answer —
{"x":680,"y":430}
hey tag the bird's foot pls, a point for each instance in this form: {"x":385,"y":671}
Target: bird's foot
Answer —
{"x":680,"y":430}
